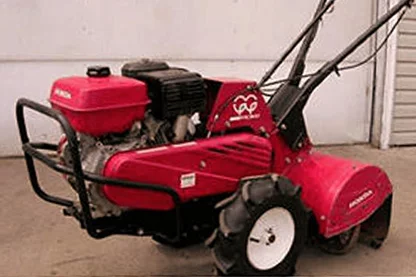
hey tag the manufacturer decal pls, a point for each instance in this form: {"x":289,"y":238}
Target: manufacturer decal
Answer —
{"x":188,"y":180}
{"x":360,"y":199}
{"x":62,"y":93}
{"x":245,"y":107}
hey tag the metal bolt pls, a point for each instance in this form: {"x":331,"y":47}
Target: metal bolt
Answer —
{"x":99,"y":144}
{"x":263,"y":131}
{"x":300,"y":144}
{"x":140,"y":232}
{"x":283,"y":127}
{"x":287,"y":160}
{"x":299,"y":160}
{"x":322,"y":217}
{"x":202,"y":164}
{"x":227,"y":124}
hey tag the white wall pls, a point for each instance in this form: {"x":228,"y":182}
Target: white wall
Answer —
{"x":42,"y":40}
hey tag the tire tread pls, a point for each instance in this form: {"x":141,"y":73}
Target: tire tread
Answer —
{"x":257,"y":196}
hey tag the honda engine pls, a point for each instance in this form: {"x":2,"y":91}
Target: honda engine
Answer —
{"x":150,"y":105}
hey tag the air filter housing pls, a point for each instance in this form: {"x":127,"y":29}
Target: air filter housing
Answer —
{"x":173,"y":91}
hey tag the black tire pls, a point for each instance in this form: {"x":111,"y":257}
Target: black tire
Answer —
{"x":342,"y":243}
{"x":231,"y":242}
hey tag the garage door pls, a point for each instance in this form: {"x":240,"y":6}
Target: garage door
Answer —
{"x":404,"y":115}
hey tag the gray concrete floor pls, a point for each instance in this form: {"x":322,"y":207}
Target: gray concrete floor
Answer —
{"x":36,"y":240}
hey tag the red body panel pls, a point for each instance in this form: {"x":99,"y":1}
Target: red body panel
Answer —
{"x":340,"y":193}
{"x":194,"y":169}
{"x":235,"y":108}
{"x":97,"y":106}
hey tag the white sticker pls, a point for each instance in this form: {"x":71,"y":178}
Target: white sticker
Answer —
{"x":188,"y":180}
{"x":245,"y":104}
{"x":63,"y":93}
{"x":360,"y":198}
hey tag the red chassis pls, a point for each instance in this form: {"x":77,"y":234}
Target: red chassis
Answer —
{"x":341,"y":193}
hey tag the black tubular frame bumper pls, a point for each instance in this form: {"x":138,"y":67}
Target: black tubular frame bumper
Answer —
{"x":32,"y":150}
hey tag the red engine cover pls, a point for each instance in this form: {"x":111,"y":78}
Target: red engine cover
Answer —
{"x":97,"y":106}
{"x":194,"y":169}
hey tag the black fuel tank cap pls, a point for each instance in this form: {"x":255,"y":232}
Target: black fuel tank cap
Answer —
{"x":98,"y":71}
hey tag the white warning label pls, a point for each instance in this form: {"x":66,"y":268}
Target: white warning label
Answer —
{"x":188,"y":180}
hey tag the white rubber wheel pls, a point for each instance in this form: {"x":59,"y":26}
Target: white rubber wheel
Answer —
{"x":261,"y":230}
{"x":271,"y":238}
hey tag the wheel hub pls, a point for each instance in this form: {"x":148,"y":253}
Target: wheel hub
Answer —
{"x":271,"y":238}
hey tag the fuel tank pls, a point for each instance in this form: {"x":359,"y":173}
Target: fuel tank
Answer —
{"x":100,"y":104}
